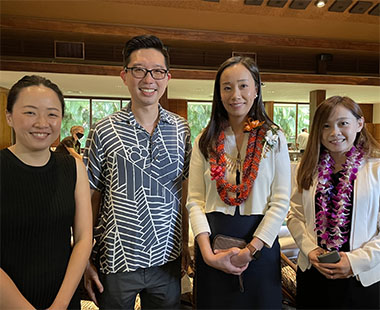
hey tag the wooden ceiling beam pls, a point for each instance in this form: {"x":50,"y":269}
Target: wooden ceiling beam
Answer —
{"x":32,"y":66}
{"x":171,"y":35}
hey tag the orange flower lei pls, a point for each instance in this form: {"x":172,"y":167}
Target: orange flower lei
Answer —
{"x":250,"y":166}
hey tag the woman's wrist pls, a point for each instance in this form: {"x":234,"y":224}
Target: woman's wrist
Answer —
{"x":247,"y":254}
{"x":257,"y":243}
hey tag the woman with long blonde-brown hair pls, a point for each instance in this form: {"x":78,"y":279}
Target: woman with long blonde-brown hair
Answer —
{"x":335,"y":211}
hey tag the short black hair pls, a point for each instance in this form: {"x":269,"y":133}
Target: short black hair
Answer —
{"x":144,"y":41}
{"x":32,"y":80}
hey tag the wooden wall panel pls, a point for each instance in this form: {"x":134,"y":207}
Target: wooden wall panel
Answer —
{"x":5,"y":130}
{"x":178,"y":106}
{"x":269,"y":108}
{"x":164,"y":100}
{"x":367,"y":110}
{"x":112,"y":70}
{"x":376,"y":132}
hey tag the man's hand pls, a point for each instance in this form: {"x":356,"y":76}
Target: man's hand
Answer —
{"x":91,"y":280}
{"x":186,"y":259}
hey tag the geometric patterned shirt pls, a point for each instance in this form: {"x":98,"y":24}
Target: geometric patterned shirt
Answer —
{"x":140,"y":179}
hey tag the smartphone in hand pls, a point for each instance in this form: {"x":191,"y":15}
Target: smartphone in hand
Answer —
{"x":329,"y":257}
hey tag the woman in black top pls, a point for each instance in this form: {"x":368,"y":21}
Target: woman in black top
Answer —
{"x":43,"y":197}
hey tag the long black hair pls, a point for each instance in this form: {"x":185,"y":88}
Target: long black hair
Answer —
{"x":219,"y":116}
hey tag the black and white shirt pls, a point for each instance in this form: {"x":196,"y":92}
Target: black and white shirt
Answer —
{"x":140,"y":177}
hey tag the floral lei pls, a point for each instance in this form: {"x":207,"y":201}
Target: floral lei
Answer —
{"x":257,"y":143}
{"x":331,"y":221}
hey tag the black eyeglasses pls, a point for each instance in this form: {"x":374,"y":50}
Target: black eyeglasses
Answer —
{"x":140,"y":73}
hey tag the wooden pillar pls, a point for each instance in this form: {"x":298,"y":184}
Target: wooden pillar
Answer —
{"x":5,"y":130}
{"x":316,"y":97}
{"x":269,"y":107}
{"x":367,"y":110}
{"x":376,"y":132}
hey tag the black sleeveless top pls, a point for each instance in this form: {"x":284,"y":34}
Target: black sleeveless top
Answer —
{"x":36,"y":214}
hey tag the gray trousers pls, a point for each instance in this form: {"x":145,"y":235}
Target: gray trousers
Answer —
{"x":159,"y":288}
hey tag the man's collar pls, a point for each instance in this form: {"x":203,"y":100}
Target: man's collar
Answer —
{"x":127,"y":115}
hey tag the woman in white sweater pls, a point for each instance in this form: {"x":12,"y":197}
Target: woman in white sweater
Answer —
{"x":239,"y":186}
{"x":336,"y":207}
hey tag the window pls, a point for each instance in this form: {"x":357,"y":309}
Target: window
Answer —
{"x":291,"y":117}
{"x":77,"y":113}
{"x":198,"y":116}
{"x":86,"y":112}
{"x":102,"y":108}
{"x":303,"y":117}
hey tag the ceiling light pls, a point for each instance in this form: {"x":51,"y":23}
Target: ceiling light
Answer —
{"x":320,"y":3}
{"x":73,"y":92}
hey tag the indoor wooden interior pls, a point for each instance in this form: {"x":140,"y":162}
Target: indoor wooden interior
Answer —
{"x":293,"y":41}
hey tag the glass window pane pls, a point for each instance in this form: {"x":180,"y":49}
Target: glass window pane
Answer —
{"x":198,"y":116}
{"x":77,"y":113}
{"x":303,"y":117}
{"x":124,"y":103}
{"x":284,"y":115}
{"x":102,"y":108}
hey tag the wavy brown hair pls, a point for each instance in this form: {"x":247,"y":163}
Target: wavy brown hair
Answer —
{"x":219,"y":116}
{"x":310,"y":158}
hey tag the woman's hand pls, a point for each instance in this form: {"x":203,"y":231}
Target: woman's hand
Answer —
{"x":313,"y":256}
{"x":340,"y":270}
{"x":222,"y":260}
{"x":243,"y":258}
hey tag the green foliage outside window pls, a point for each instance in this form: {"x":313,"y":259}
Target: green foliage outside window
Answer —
{"x":198,"y":116}
{"x":103,"y":108}
{"x":303,"y":117}
{"x":77,"y":113}
{"x":284,"y":115}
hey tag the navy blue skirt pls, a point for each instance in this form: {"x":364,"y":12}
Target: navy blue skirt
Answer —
{"x":214,"y":289}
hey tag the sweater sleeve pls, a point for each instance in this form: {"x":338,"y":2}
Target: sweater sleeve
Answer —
{"x":197,"y":192}
{"x":365,"y":256}
{"x":297,"y":223}
{"x":278,"y":204}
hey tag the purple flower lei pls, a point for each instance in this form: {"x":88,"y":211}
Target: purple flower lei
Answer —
{"x":331,"y":218}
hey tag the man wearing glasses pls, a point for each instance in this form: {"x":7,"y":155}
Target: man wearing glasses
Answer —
{"x":138,"y":161}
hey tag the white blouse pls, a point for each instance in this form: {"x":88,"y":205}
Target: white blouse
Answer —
{"x":269,"y":196}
